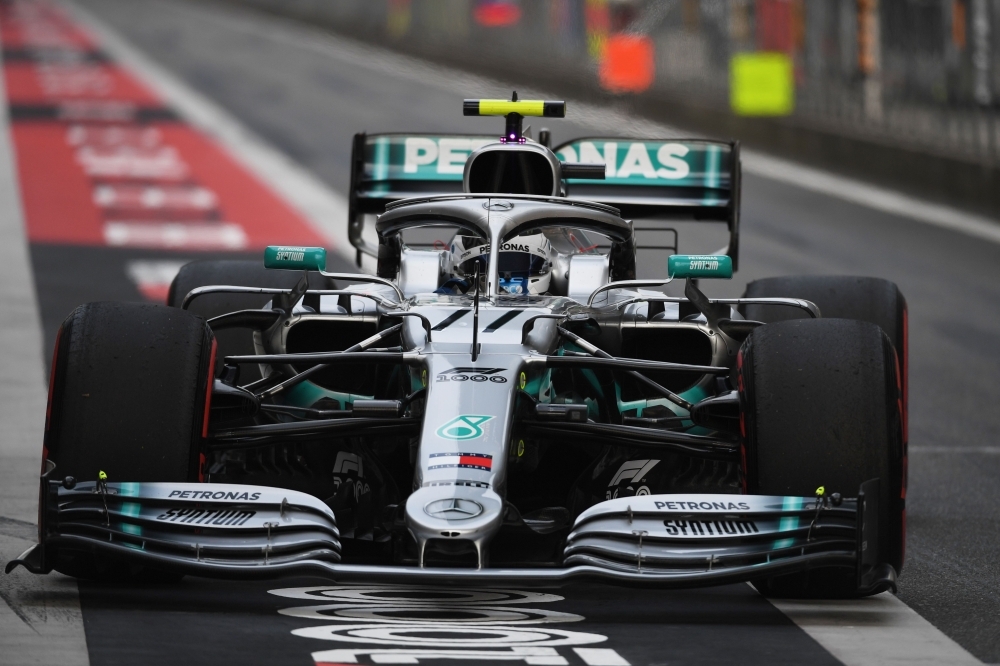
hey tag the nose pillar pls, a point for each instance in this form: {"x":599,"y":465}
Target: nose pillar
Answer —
{"x":453,"y":514}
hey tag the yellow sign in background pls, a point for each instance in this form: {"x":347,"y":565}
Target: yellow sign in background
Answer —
{"x":762,"y":84}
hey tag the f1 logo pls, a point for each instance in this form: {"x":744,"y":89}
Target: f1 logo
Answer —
{"x":633,"y":470}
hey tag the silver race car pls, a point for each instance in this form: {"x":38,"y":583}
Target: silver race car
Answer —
{"x":503,"y":402}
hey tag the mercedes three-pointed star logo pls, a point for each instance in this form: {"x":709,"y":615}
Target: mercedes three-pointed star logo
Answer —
{"x":454,"y":508}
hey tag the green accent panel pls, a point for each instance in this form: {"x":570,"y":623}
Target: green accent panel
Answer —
{"x":295,"y":258}
{"x":700,"y":266}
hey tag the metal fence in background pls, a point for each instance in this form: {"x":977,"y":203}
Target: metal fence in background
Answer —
{"x":919,"y":74}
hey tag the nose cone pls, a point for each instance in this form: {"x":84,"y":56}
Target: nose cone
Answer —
{"x":454,"y":512}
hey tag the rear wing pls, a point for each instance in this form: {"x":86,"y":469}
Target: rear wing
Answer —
{"x":681,"y":179}
{"x":389,"y":167}
{"x":686,"y":179}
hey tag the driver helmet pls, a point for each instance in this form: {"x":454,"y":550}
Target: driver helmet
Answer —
{"x":524,"y":262}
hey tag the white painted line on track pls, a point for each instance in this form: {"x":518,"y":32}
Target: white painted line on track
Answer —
{"x":871,"y":196}
{"x":986,"y":450}
{"x":607,"y":119}
{"x":324,"y":209}
{"x":600,"y":657}
{"x":877,"y":630}
{"x":40,"y":618}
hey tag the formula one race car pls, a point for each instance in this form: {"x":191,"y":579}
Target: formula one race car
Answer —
{"x":503,"y":402}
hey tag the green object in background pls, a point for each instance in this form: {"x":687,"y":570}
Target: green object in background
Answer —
{"x":717,"y":266}
{"x":295,"y":258}
{"x":761,"y":84}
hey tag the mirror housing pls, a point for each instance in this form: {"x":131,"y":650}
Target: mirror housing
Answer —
{"x":717,"y":266}
{"x":295,"y":258}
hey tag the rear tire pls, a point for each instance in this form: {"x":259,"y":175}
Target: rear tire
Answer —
{"x":821,"y":406}
{"x":242,"y":273}
{"x":129,"y":399}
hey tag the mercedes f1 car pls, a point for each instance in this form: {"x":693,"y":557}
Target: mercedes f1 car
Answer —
{"x":503,"y":402}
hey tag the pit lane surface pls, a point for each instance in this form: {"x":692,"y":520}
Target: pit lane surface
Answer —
{"x":307,"y":96}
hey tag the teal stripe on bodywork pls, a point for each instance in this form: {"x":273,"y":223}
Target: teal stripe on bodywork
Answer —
{"x":693,"y":395}
{"x":790,"y":523}
{"x":129,"y":490}
{"x":132,"y":510}
{"x":381,"y":166}
{"x":308,"y":394}
{"x":711,"y":175}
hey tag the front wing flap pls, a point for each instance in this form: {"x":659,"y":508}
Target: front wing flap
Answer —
{"x":666,"y":541}
{"x":189,"y":527}
{"x":678,"y":535}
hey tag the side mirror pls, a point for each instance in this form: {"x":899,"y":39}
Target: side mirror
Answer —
{"x":700,"y":266}
{"x":295,"y":258}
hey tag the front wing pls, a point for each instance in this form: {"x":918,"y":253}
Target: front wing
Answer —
{"x":664,"y":541}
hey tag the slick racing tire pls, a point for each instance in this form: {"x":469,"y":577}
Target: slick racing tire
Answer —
{"x":821,"y":405}
{"x":129,"y":391}
{"x":242,"y":273}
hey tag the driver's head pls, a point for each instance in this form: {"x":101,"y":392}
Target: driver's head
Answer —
{"x":524,"y":262}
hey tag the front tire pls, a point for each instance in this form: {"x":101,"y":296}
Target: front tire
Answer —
{"x":130,"y":390}
{"x":821,"y":406}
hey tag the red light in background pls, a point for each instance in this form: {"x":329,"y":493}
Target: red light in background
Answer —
{"x":497,"y":13}
{"x":628,"y":64}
